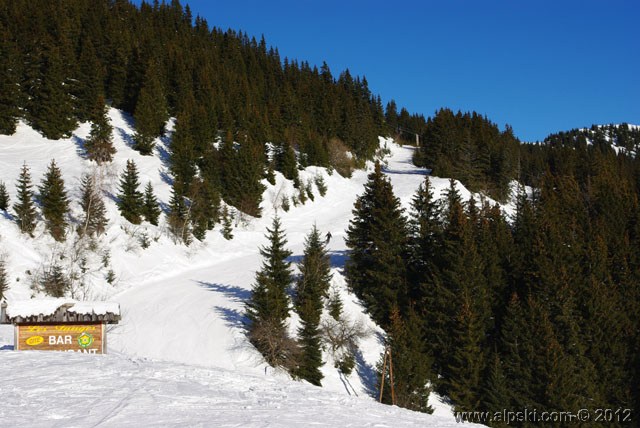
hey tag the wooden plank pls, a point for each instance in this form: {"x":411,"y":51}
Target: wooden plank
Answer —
{"x":86,"y":338}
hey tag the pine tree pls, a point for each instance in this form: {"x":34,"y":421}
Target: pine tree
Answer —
{"x":410,"y":363}
{"x":179,"y":217}
{"x":606,"y":326}
{"x":524,"y":226}
{"x":150,"y":111}
{"x":285,"y":161}
{"x":54,"y":281}
{"x":24,"y":207}
{"x":55,"y":204}
{"x":268,"y":307}
{"x":99,"y":145}
{"x":495,"y":247}
{"x":51,"y":109}
{"x":4,"y":197}
{"x":4,"y":279}
{"x":495,"y":394}
{"x":335,"y":305}
{"x":465,"y":368}
{"x":9,"y":88}
{"x":377,"y":238}
{"x":94,"y":221}
{"x":250,"y":169}
{"x":89,"y":86}
{"x":468,"y":314}
{"x":451,"y":280}
{"x":425,"y":244}
{"x":518,"y":347}
{"x":130,"y":200}
{"x":270,"y":175}
{"x":241,"y":174}
{"x":227,"y":223}
{"x":302,"y":194}
{"x":183,"y":150}
{"x":321,"y":185}
{"x":312,"y":287}
{"x":564,"y":377}
{"x":205,"y":207}
{"x":150,"y":207}
{"x":309,"y":189}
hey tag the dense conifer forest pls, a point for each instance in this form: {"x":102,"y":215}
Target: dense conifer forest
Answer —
{"x":538,"y":311}
{"x":541,"y":310}
{"x":62,"y":59}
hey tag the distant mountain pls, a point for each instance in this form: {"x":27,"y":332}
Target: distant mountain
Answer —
{"x":623,"y":137}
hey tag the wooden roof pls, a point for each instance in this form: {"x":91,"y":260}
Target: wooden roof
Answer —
{"x":64,"y":314}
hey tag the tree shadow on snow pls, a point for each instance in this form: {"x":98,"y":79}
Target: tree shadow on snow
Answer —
{"x":237,"y":294}
{"x":367,"y":373}
{"x":113,"y":197}
{"x":6,"y":215}
{"x":165,"y":157}
{"x":233,"y":317}
{"x":337,"y":259}
{"x":128,"y":139}
{"x":295,"y":259}
{"x":406,"y":172}
{"x":164,"y":207}
{"x":81,"y":149}
{"x":163,"y":150}
{"x":164,"y":175}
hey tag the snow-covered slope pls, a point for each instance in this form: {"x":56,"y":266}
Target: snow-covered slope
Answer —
{"x":180,"y":348}
{"x":79,"y":390}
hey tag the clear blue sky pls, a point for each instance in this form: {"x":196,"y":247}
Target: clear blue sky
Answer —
{"x":541,"y":66}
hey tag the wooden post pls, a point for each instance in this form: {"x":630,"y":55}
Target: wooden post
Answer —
{"x":384,"y":367}
{"x":3,"y":311}
{"x":104,"y":337}
{"x":393,"y":389}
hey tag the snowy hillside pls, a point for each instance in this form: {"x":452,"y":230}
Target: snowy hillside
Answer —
{"x":179,"y":356}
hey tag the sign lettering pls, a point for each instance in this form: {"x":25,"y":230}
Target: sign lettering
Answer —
{"x":84,"y":338}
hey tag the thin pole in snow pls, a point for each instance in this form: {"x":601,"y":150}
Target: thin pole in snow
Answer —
{"x":384,"y":368}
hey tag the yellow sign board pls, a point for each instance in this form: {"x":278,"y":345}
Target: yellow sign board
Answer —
{"x":85,"y":338}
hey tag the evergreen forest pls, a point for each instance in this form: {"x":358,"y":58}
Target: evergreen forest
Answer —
{"x":538,"y":310}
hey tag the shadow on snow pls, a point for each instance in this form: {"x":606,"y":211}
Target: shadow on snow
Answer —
{"x":233,"y":317}
{"x":337,"y":259}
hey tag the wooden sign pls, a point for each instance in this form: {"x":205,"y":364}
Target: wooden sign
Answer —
{"x":86,"y":338}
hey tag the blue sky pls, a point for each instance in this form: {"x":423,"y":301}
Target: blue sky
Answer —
{"x":541,"y":66}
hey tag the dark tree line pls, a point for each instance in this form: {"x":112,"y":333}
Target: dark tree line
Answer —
{"x":61,"y":59}
{"x":472,"y":149}
{"x":541,"y":311}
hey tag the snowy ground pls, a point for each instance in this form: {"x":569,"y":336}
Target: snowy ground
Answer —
{"x":179,"y":357}
{"x":74,"y":390}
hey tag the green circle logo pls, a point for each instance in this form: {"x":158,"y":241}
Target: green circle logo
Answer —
{"x":85,"y":340}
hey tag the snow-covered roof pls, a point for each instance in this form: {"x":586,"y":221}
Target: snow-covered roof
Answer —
{"x":60,"y":310}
